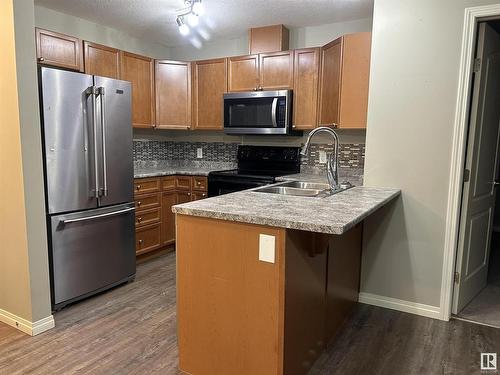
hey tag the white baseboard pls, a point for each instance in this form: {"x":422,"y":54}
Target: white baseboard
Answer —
{"x":401,"y":305}
{"x":30,"y":328}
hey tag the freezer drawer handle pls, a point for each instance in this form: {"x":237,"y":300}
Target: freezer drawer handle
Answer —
{"x":94,"y":217}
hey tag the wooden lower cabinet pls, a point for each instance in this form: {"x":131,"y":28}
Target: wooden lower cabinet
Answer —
{"x":168,"y":199}
{"x":147,"y":238}
{"x":154,"y":198}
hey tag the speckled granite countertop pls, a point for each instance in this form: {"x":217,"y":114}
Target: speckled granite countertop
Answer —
{"x":170,"y":171}
{"x":335,"y":214}
{"x":172,"y":168}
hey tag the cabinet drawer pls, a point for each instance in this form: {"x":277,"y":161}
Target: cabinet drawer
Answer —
{"x":146,"y":185}
{"x":199,"y":183}
{"x":168,"y":183}
{"x":147,"y":201}
{"x":147,"y":238}
{"x":183,"y":183}
{"x":146,"y":217}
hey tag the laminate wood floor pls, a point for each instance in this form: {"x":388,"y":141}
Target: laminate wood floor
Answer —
{"x":132,"y":330}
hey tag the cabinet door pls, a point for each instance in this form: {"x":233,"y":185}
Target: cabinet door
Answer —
{"x":139,"y":70}
{"x":183,"y":197}
{"x":355,"y":78}
{"x":305,"y":88}
{"x":197,"y":195}
{"x":173,"y":94}
{"x":243,"y":73}
{"x":330,"y":80}
{"x":209,"y":86}
{"x":168,"y":199}
{"x":101,"y":60}
{"x":276,"y":70}
{"x":58,"y":50}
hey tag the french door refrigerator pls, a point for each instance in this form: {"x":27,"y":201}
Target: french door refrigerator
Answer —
{"x":87,"y":139}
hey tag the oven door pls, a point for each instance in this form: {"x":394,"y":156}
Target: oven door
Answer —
{"x":218,"y":185}
{"x":257,"y":112}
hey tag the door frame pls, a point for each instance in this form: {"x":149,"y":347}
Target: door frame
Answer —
{"x":472,"y":16}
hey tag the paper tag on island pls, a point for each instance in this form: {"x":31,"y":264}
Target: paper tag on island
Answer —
{"x":267,"y":248}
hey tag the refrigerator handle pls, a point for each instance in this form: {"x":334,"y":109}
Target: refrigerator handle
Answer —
{"x":92,"y":91}
{"x":94,"y":217}
{"x":103,"y":134}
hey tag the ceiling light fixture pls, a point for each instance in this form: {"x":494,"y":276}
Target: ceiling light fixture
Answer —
{"x":191,"y":13}
{"x":183,"y":28}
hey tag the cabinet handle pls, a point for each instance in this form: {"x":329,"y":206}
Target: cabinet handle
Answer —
{"x":335,"y":125}
{"x":189,"y":194}
{"x":203,"y":195}
{"x":198,"y":183}
{"x":141,"y":242}
{"x":139,"y":203}
{"x":138,"y":187}
{"x":260,"y":88}
{"x":139,"y":219}
{"x":41,"y":59}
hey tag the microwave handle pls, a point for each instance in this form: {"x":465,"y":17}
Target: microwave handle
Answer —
{"x":273,"y":112}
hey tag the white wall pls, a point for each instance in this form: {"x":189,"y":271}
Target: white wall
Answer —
{"x":31,"y":142}
{"x":413,"y":90}
{"x":64,"y":23}
{"x":310,"y":36}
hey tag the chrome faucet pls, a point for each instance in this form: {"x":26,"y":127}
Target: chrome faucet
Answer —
{"x":333,"y":160}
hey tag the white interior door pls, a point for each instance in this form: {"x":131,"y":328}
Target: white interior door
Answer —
{"x":482,"y":159}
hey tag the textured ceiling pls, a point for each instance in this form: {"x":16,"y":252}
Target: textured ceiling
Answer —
{"x":223,"y":19}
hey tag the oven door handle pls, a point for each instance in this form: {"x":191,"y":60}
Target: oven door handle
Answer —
{"x":274,"y":108}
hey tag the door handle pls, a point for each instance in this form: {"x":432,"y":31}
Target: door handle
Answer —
{"x":496,"y":183}
{"x":103,"y":136}
{"x":94,"y":217}
{"x":273,"y":112}
{"x":93,"y":93}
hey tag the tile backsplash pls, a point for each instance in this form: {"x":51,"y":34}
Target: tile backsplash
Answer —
{"x":351,"y":155}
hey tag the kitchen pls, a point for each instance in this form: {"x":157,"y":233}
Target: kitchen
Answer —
{"x":173,"y":164}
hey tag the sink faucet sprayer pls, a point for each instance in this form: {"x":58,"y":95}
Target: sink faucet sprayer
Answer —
{"x":333,"y":160}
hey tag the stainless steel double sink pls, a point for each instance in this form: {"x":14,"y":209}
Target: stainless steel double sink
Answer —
{"x":301,"y":189}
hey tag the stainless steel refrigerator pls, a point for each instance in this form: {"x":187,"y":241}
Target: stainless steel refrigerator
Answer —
{"x":87,"y":139}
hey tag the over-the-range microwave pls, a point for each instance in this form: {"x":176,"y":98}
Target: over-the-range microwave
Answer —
{"x":258,"y":112}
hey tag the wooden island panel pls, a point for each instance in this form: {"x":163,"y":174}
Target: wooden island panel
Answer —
{"x":220,"y":279}
{"x":239,"y":315}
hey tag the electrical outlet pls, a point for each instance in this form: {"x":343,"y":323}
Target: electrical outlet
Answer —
{"x":267,"y":244}
{"x":199,"y":153}
{"x":322,"y":157}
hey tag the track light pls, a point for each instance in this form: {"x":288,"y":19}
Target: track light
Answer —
{"x":191,"y":13}
{"x":183,"y":28}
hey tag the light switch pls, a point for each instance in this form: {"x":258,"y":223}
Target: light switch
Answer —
{"x":199,"y":153}
{"x":266,"y":248}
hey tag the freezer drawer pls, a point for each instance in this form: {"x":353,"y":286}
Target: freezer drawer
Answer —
{"x":91,"y":250}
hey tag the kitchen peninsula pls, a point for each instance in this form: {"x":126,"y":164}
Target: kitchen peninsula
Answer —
{"x":265,"y":280}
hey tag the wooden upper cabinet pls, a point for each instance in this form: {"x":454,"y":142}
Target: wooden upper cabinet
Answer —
{"x":173,"y":94}
{"x":305,"y":88}
{"x":243,"y":73}
{"x":139,"y":70}
{"x":276,"y":70}
{"x":330,"y":78}
{"x":209,"y":86}
{"x":101,"y":60}
{"x":344,"y":78}
{"x":268,"y":39}
{"x":59,"y":50}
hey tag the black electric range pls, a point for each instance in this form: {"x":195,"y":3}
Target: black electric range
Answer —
{"x":257,"y":166}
